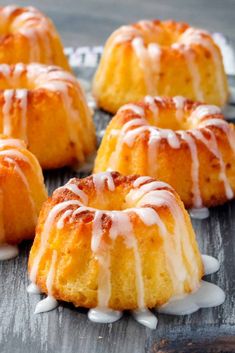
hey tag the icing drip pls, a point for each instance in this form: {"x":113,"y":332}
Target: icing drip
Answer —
{"x":145,"y":317}
{"x":135,"y":108}
{"x":179,"y":105}
{"x":214,"y":149}
{"x":153,"y":107}
{"x":8,"y":252}
{"x":99,"y":181}
{"x":193,"y":69}
{"x":199,"y":213}
{"x":104,"y":316}
{"x":8,"y":103}
{"x":197,"y":201}
{"x":47,"y":228}
{"x":195,"y":36}
{"x":211,"y":265}
{"x":22,"y":96}
{"x":33,"y":289}
{"x":78,"y":192}
{"x":49,"y":303}
{"x":142,"y":54}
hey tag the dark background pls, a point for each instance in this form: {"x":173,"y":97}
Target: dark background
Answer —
{"x":89,"y":22}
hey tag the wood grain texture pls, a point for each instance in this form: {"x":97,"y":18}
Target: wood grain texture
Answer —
{"x":68,"y":330}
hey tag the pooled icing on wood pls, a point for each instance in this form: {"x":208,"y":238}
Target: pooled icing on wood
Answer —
{"x":8,"y":252}
{"x":204,"y":117}
{"x":199,"y":213}
{"x":104,"y":316}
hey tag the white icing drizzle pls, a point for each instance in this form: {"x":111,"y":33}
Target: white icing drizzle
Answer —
{"x":75,"y":189}
{"x":8,"y":103}
{"x":202,"y":117}
{"x":8,"y":251}
{"x":49,"y":303}
{"x":142,"y":54}
{"x":61,"y":221}
{"x":197,"y":200}
{"x":53,"y":79}
{"x":152,"y":106}
{"x":199,"y":213}
{"x":179,"y":106}
{"x":192,"y":68}
{"x":134,"y":108}
{"x":33,"y":289}
{"x":196,"y":36}
{"x":149,"y":56}
{"x":202,"y":111}
{"x":22,"y":96}
{"x":35,"y":27}
{"x":99,"y":181}
{"x":46,"y":234}
{"x":141,"y":180}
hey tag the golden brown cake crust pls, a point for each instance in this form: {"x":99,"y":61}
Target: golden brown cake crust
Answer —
{"x":186,"y":144}
{"x":164,"y":58}
{"x":46,"y":107}
{"x":29,"y":36}
{"x":22,"y":191}
{"x":106,"y":240}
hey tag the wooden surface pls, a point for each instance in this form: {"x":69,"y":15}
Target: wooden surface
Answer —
{"x":67,"y":330}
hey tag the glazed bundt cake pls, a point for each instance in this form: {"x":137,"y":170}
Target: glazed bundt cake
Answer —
{"x":164,"y":58}
{"x":186,"y":144}
{"x":22,"y":193}
{"x":85,"y":226}
{"x":46,"y":107}
{"x":29,"y":36}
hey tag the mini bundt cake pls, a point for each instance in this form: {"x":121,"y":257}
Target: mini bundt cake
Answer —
{"x":46,"y":107}
{"x":164,"y":58}
{"x":186,"y":144}
{"x":29,"y":36}
{"x":22,"y":193}
{"x":85,"y":226}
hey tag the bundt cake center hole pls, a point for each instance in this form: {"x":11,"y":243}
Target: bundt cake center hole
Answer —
{"x":168,"y":120}
{"x":161,"y":34}
{"x":112,"y":200}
